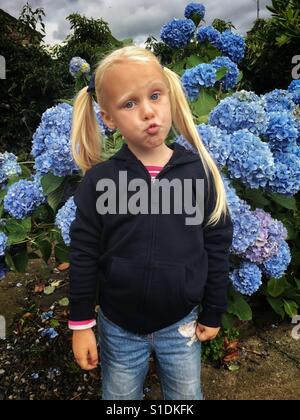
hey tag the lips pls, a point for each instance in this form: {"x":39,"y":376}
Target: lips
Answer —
{"x":152,"y":129}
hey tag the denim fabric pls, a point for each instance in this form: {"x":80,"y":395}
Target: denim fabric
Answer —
{"x":125,"y":356}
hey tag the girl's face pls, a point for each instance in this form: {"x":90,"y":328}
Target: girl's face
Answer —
{"x":136,"y":96}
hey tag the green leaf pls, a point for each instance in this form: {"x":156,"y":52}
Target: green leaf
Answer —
{"x":290,"y":307}
{"x":297,"y":281}
{"x":204,"y":104}
{"x":46,"y":249}
{"x":64,"y":302}
{"x":17,"y":230}
{"x":20,"y":261}
{"x":221,"y":72}
{"x":241,"y":309}
{"x":54,"y":198}
{"x":194,"y":60}
{"x":257,"y":197}
{"x":286,"y":202}
{"x":49,"y":290}
{"x":277,"y":305}
{"x":276,"y":287}
{"x":54,"y":323}
{"x":227,"y":321}
{"x":25,"y":171}
{"x":240,"y":76}
{"x":62,"y":252}
{"x":51,"y":183}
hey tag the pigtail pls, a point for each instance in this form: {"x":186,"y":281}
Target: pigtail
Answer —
{"x":86,"y":137}
{"x":184,"y":124}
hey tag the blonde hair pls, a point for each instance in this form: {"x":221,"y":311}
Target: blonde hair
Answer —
{"x":86,"y":137}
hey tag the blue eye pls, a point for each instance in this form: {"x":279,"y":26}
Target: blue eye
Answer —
{"x":157,"y":93}
{"x":127,"y":104}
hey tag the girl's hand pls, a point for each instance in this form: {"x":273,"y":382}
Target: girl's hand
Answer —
{"x":85,"y":349}
{"x":206,"y":333}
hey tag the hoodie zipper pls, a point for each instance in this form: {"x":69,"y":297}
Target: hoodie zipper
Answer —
{"x":152,"y":241}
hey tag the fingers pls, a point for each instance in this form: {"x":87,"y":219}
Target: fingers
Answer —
{"x":205,"y":334}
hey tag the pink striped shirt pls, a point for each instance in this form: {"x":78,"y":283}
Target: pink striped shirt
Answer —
{"x":154,"y":170}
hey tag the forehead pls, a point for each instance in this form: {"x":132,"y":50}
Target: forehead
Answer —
{"x":130,"y":77}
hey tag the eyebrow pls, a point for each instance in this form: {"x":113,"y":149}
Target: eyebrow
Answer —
{"x":130,"y":94}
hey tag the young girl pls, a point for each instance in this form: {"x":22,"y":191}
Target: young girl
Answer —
{"x":153,"y":270}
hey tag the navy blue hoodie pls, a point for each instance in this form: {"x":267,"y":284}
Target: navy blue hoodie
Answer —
{"x":148,"y":270}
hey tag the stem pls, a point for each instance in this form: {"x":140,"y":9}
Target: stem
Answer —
{"x":23,"y":163}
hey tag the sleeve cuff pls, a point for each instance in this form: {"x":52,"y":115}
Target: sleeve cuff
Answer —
{"x":81,"y":325}
{"x":210,"y":319}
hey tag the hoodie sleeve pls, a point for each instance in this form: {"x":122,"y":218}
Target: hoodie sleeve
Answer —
{"x":85,"y":234}
{"x":217,"y":241}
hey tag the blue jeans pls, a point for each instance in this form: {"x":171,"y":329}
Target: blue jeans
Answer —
{"x":125,"y":356}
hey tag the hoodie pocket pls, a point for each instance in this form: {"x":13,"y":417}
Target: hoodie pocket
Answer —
{"x":124,"y":286}
{"x":165,"y":294}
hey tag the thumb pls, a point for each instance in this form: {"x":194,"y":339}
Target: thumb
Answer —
{"x":201,"y":333}
{"x":93,"y":356}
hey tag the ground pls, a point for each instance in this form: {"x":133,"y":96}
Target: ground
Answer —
{"x":36,"y":367}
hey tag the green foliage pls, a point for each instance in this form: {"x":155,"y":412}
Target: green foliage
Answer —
{"x":271,"y":45}
{"x":214,"y":351}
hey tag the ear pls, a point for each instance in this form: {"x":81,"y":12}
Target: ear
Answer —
{"x":108,"y":121}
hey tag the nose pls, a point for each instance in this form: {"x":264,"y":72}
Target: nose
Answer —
{"x":147,"y":110}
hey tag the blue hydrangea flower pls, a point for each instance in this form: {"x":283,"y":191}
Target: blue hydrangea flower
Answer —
{"x":229,"y":81}
{"x":8,"y":166}
{"x":250,"y":160}
{"x":271,"y":233}
{"x":3,"y":243}
{"x":49,"y":332}
{"x":215,"y":141}
{"x":294,"y":89}
{"x":242,"y":110}
{"x":47,"y":315}
{"x":3,"y":267}
{"x":233,"y":46}
{"x":277,"y":265}
{"x":203,"y":75}
{"x":210,"y":34}
{"x":194,"y":8}
{"x":78,"y":66}
{"x":51,"y":144}
{"x":246,"y":279}
{"x":22,"y":198}
{"x":281,"y":131}
{"x":64,"y":218}
{"x":178,"y":32}
{"x":278,"y":100}
{"x":105,"y":131}
{"x":245,"y":225}
{"x":286,"y":179}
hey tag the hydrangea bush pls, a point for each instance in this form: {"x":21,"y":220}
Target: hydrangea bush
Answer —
{"x":254,"y":141}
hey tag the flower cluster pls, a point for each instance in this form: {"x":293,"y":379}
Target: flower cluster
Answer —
{"x":51,"y":144}
{"x":197,"y":9}
{"x":294,"y":89}
{"x":239,"y":111}
{"x":281,"y":131}
{"x":270,"y":234}
{"x":278,"y":100}
{"x":233,"y":46}
{"x":250,"y":160}
{"x":210,"y":34}
{"x":247,"y":278}
{"x":78,"y":66}
{"x":230,"y":79}
{"x":64,"y":218}
{"x":3,"y":243}
{"x":8,"y":166}
{"x":286,"y":179}
{"x":278,"y":264}
{"x":203,"y":75}
{"x":178,"y":32}
{"x":22,"y":198}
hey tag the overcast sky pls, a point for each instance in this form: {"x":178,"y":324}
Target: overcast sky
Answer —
{"x":136,"y":19}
